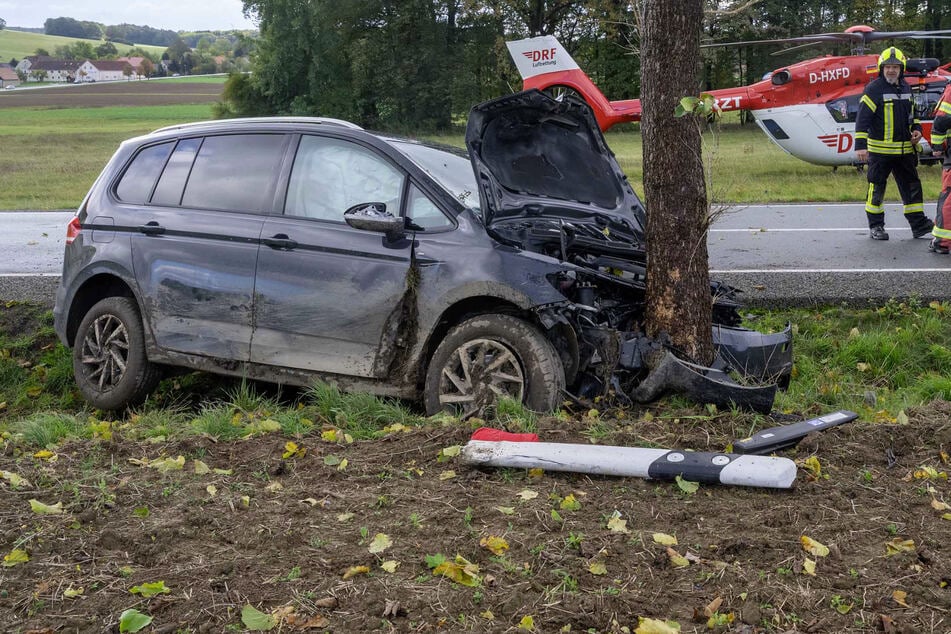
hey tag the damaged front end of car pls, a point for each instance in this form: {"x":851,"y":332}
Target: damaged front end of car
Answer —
{"x":549,"y":184}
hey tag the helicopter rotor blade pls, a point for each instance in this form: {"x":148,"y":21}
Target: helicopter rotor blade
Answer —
{"x":856,"y":37}
{"x":913,"y":35}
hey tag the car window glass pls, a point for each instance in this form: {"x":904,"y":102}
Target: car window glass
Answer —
{"x":330,"y":176}
{"x":172,"y":183}
{"x":423,"y":213}
{"x":451,"y":170}
{"x":137,"y":182}
{"x":235,"y":172}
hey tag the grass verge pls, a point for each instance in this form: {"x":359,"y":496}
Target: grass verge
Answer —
{"x":878,"y":361}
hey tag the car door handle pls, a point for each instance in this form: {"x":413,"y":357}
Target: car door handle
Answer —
{"x":152,"y":229}
{"x":280,"y":241}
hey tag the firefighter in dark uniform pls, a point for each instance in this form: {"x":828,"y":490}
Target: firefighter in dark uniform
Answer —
{"x":887,"y":136}
{"x":941,"y":144}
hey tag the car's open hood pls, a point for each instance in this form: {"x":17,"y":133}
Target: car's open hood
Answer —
{"x":539,"y":161}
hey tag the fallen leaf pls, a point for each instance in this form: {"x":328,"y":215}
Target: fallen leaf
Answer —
{"x":212,"y":490}
{"x":929,"y":473}
{"x":809,"y":567}
{"x":505,"y":510}
{"x":255,"y":620}
{"x":462,"y":571}
{"x":676,"y":559}
{"x":446,"y":453}
{"x":712,"y":607}
{"x":617,"y":525}
{"x":168,"y":464}
{"x":14,"y":479}
{"x":813,"y":547}
{"x":527,"y":494}
{"x":201,"y":468}
{"x":71,"y":593}
{"x":132,"y":620}
{"x":687,"y":486}
{"x":381,"y":542}
{"x":343,"y":465}
{"x":899,"y":596}
{"x":496,"y":545}
{"x":311,"y":501}
{"x":447,"y":475}
{"x":811,"y":464}
{"x":148,"y":590}
{"x":664,"y":539}
{"x":223,"y":471}
{"x":353,"y":571}
{"x":536,"y":472}
{"x":45,"y":454}
{"x":16,"y":556}
{"x":274,"y":487}
{"x":390,"y":565}
{"x":46,"y":509}
{"x":654,"y":626}
{"x":598,"y":568}
{"x":345,"y":517}
{"x":939,"y":506}
{"x":899,"y":545}
{"x":527,"y":624}
{"x":292,"y":450}
{"x":570,"y":503}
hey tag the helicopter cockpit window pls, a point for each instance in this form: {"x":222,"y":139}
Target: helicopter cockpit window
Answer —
{"x":844,"y":109}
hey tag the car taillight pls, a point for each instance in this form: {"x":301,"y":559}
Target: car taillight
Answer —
{"x":72,"y":229}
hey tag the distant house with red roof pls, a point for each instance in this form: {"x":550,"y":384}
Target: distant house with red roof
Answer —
{"x":8,"y":76}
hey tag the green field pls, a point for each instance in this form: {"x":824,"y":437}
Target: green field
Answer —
{"x":51,"y":155}
{"x":19,"y":44}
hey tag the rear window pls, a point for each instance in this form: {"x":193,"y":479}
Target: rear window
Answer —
{"x":172,"y":184}
{"x":235,"y":172}
{"x":139,"y":178}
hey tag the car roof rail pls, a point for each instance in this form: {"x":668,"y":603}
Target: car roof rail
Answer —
{"x":254,"y":120}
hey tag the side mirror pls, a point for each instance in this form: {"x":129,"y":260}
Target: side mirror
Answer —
{"x":374,"y":217}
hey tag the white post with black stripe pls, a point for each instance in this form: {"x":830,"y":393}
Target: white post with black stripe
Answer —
{"x":638,"y":462}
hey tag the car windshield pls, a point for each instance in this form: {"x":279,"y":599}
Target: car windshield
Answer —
{"x":452,"y":171}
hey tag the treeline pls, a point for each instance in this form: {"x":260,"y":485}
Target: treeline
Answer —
{"x":222,"y":41}
{"x":421,"y":64}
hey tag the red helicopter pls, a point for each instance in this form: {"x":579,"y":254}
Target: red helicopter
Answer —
{"x":808,"y":108}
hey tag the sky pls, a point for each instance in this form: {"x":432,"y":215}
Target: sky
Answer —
{"x":200,"y":15}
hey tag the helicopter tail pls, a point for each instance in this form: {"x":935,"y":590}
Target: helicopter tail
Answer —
{"x":544,"y":64}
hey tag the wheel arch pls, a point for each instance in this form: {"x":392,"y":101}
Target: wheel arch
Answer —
{"x":94,"y":289}
{"x":561,"y":336}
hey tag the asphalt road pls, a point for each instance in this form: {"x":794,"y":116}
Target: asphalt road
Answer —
{"x":779,"y":255}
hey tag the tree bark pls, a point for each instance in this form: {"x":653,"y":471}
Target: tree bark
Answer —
{"x":678,"y":277}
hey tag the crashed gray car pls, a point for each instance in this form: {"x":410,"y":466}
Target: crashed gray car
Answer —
{"x":298,"y":249}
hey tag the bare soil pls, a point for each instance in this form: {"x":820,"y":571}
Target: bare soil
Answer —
{"x":120,"y":93}
{"x":278,"y":532}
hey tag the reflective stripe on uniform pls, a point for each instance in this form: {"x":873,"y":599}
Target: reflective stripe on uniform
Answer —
{"x":890,"y":147}
{"x":913,"y":208}
{"x":944,"y":108}
{"x":868,"y":102}
{"x":870,"y":207}
{"x":889,"y":122}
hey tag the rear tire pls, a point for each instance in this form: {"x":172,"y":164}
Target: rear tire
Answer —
{"x":492,"y":356}
{"x":109,"y":360}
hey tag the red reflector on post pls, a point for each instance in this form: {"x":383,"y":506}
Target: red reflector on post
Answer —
{"x":72,"y":229}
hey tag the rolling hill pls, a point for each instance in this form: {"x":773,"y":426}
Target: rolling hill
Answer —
{"x":19,"y":44}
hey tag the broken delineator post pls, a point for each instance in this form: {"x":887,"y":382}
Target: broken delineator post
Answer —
{"x":638,"y":462}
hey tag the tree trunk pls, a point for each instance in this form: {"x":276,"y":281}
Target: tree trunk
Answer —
{"x":678,"y":277}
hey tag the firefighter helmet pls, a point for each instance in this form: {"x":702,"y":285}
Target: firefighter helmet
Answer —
{"x":891,"y":55}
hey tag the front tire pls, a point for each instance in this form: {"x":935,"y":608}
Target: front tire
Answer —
{"x":109,"y":360}
{"x":493,"y":356}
